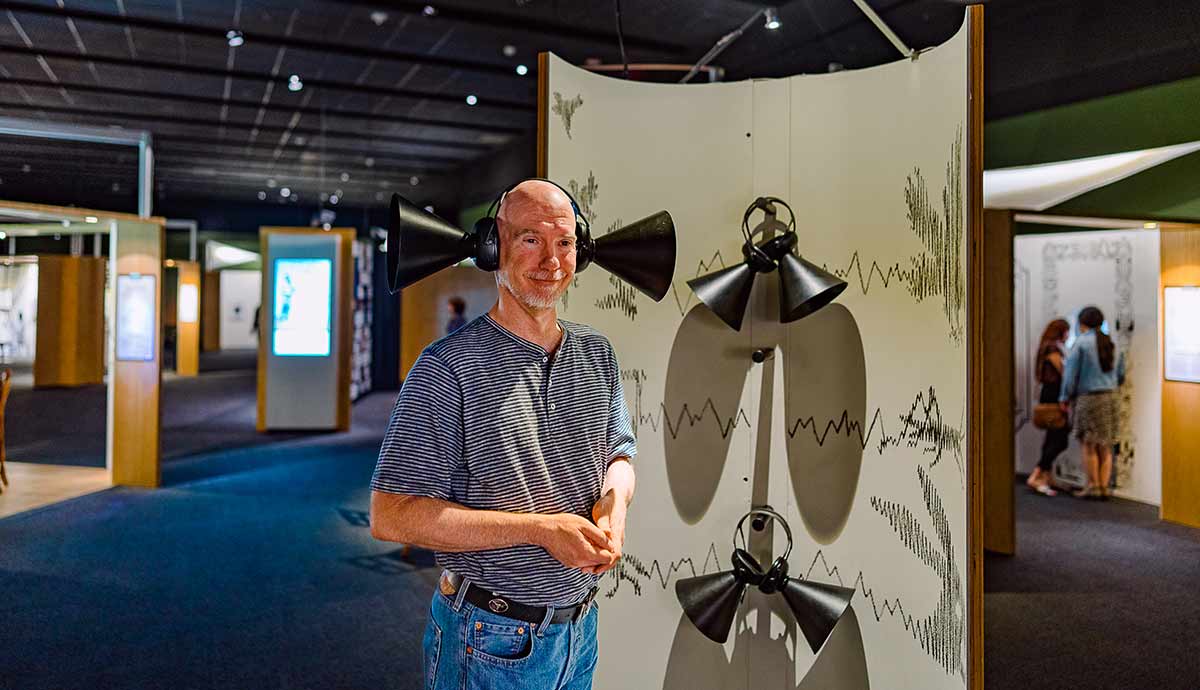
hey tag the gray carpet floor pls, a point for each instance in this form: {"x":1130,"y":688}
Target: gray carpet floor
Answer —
{"x":1101,"y":595}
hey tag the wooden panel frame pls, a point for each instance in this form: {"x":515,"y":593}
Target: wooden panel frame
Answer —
{"x":187,"y":335}
{"x":1179,"y":247}
{"x":345,"y":324}
{"x":975,"y":362}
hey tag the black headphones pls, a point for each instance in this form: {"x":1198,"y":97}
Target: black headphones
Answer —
{"x":747,"y":569}
{"x":761,"y":259}
{"x":487,"y":234}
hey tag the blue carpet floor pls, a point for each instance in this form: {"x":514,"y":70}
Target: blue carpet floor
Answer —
{"x":263,"y":576}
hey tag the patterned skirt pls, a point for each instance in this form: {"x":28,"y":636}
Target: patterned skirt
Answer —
{"x":1097,"y":418}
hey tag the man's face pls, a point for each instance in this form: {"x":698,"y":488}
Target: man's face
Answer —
{"x":537,"y":249}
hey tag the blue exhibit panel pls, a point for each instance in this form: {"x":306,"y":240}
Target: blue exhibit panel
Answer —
{"x":303,"y":307}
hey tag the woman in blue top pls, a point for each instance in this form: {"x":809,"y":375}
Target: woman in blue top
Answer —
{"x":1090,"y":378}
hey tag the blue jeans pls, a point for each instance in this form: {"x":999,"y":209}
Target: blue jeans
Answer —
{"x":469,"y":648}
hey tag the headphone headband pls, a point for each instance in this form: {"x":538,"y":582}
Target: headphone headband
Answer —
{"x":494,"y":207}
{"x":768,"y":512}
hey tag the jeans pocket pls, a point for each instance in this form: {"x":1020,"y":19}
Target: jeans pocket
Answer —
{"x":505,"y":643}
{"x":432,"y":647}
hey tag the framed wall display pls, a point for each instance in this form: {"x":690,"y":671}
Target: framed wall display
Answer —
{"x":1181,"y":334}
{"x":303,"y":307}
{"x":137,"y":327}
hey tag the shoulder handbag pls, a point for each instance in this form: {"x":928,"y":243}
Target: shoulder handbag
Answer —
{"x":1049,"y":416}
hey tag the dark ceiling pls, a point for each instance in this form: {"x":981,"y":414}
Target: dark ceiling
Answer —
{"x":385,"y":83}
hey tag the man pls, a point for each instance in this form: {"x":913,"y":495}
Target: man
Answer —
{"x":458,"y":308}
{"x":507,"y":436}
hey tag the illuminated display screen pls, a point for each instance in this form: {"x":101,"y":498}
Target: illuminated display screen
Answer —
{"x":189,"y":303}
{"x":137,"y":302}
{"x":303,"y":307}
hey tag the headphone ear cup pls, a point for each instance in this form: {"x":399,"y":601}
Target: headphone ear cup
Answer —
{"x":776,"y":576}
{"x":487,"y":244}
{"x":746,"y":564}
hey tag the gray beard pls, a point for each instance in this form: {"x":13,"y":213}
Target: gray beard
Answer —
{"x":529,"y":299}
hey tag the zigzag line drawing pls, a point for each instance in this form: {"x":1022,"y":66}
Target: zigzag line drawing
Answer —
{"x":716,"y":261}
{"x":631,"y":569}
{"x":921,"y":426}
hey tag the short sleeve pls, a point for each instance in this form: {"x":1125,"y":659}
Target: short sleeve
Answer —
{"x":423,"y":446}
{"x":621,"y":441}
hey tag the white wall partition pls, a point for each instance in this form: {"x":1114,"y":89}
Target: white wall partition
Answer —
{"x":241,"y":291}
{"x":856,"y":430}
{"x":1056,"y":275}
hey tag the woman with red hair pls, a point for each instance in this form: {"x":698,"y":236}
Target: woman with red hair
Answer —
{"x":1049,"y":372}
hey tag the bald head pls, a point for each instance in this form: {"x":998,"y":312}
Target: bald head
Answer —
{"x":534,"y":199}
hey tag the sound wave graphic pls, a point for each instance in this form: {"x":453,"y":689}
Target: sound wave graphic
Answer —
{"x":633,"y":570}
{"x":921,"y":426}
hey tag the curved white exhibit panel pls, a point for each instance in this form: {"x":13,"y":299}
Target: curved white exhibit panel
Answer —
{"x":854,"y":424}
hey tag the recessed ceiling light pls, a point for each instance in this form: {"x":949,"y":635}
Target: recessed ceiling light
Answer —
{"x":25,"y":168}
{"x":345,"y":177}
{"x":378,"y":196}
{"x":378,"y":18}
{"x":429,"y":11}
{"x":285,"y":192}
{"x":271,"y":183}
{"x":472,"y":100}
{"x":235,"y":38}
{"x":116,"y":186}
{"x":522,"y":70}
{"x":414,"y":181}
{"x":300,"y":141}
{"x":369,"y":162}
{"x":510,"y":50}
{"x":262,"y":196}
{"x":333,"y":199}
{"x":326,"y":226}
{"x":294,"y":83}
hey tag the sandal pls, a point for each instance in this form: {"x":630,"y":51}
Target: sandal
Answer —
{"x":1085,"y":492}
{"x":1045,"y":490}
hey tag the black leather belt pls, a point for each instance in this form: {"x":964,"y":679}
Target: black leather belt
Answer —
{"x":503,"y":606}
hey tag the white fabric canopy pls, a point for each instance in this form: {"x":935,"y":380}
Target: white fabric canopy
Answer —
{"x":1039,"y":187}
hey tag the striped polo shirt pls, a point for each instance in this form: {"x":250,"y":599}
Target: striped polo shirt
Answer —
{"x":488,"y":420}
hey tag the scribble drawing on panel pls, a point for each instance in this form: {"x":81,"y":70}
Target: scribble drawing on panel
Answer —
{"x":637,"y":572}
{"x":1120,"y":252}
{"x":621,"y":296}
{"x":940,"y":634}
{"x":938,"y":271}
{"x":565,"y":109}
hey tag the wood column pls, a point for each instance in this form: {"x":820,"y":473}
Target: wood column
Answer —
{"x":70,"y":334}
{"x":210,"y":312}
{"x":188,"y":303}
{"x":134,"y":414}
{"x":1180,"y":250}
{"x":997,"y":357}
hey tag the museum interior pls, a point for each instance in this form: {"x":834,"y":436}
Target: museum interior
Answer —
{"x":903,"y":296}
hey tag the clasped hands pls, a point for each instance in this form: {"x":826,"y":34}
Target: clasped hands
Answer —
{"x":591,"y":547}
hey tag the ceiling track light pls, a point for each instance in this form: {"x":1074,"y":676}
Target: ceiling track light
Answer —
{"x":294,"y":83}
{"x":804,"y":287}
{"x":235,"y":38}
{"x":771,"y":19}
